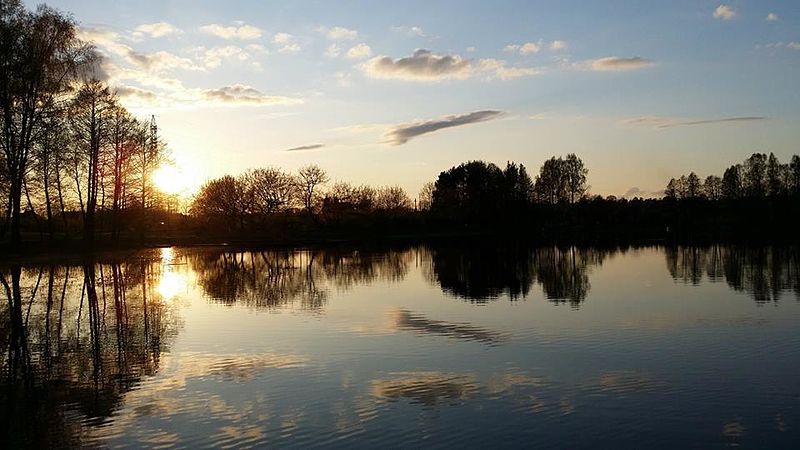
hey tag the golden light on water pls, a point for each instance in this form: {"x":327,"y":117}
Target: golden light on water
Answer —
{"x":172,"y":282}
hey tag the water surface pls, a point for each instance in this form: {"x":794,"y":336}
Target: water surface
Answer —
{"x":437,"y":345}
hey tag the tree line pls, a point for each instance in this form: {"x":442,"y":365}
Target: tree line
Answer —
{"x":73,"y":159}
{"x":472,"y":190}
{"x":757,"y":177}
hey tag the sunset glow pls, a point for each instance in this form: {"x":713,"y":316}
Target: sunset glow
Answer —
{"x":414,"y":86}
{"x":173,"y":180}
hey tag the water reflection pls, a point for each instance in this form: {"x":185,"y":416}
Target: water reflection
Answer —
{"x":765,"y":273}
{"x":78,"y":338}
{"x":418,"y":323}
{"x":89,"y":349}
{"x":275,"y":279}
{"x":484,"y":272}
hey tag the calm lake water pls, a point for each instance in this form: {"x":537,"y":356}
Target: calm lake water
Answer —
{"x":437,"y":345}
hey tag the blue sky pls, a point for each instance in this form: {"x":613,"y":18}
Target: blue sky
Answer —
{"x":642,"y":91}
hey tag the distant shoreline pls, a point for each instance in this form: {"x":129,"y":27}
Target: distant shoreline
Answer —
{"x":76,"y":248}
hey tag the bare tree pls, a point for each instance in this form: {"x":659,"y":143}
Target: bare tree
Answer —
{"x":123,"y":142}
{"x":88,"y":118}
{"x":271,"y":190}
{"x":309,"y":179}
{"x":39,"y":54}
{"x":392,"y":198}
{"x":426,"y":196}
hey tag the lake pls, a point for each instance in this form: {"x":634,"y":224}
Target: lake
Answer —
{"x":438,"y":345}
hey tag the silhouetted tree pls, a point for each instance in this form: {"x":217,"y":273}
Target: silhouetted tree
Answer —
{"x":392,"y":198}
{"x":575,"y":177}
{"x":754,"y":178}
{"x":223,"y":198}
{"x":425,"y":199}
{"x":88,"y":118}
{"x":39,"y":55}
{"x":732,"y":187}
{"x":309,"y":179}
{"x":712,"y":187}
{"x":693,"y":186}
{"x":561,"y":180}
{"x":776,"y":176}
{"x":271,"y":190}
{"x":794,"y":175}
{"x":469,"y":190}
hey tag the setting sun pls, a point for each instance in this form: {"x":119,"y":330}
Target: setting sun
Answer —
{"x":172,"y":180}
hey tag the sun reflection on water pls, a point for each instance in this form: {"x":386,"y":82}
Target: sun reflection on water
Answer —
{"x":172,"y":282}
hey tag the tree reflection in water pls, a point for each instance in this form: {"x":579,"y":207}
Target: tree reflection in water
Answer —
{"x":278,"y":278}
{"x":765,"y":273}
{"x":74,"y":340}
{"x":483,"y":272}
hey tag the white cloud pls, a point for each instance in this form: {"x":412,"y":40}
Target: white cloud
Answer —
{"x":286,"y":43}
{"x":423,"y":65}
{"x":616,"y":64}
{"x":523,"y":49}
{"x":499,"y":69}
{"x":558,"y":45}
{"x":242,"y":31}
{"x":154,"y":30}
{"x":109,"y":44}
{"x":772,"y":17}
{"x":339,"y":33}
{"x":401,"y":134}
{"x":143,"y":80}
{"x":215,"y":56}
{"x":793,"y":45}
{"x":359,"y":51}
{"x":724,"y":12}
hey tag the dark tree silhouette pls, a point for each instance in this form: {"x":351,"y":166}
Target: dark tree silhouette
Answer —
{"x":39,"y":56}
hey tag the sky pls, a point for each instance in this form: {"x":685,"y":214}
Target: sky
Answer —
{"x":382,"y":92}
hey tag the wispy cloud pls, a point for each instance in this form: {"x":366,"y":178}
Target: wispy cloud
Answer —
{"x":500,"y":69}
{"x":110,"y":43}
{"x":772,"y":17}
{"x":338,"y":33}
{"x":423,"y":65}
{"x":616,"y":64}
{"x":724,"y":12}
{"x":670,"y":122}
{"x":238,"y":31}
{"x":239,"y":94}
{"x":403,"y":133}
{"x":558,"y":45}
{"x":412,"y":31}
{"x":305,"y":147}
{"x":154,"y":30}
